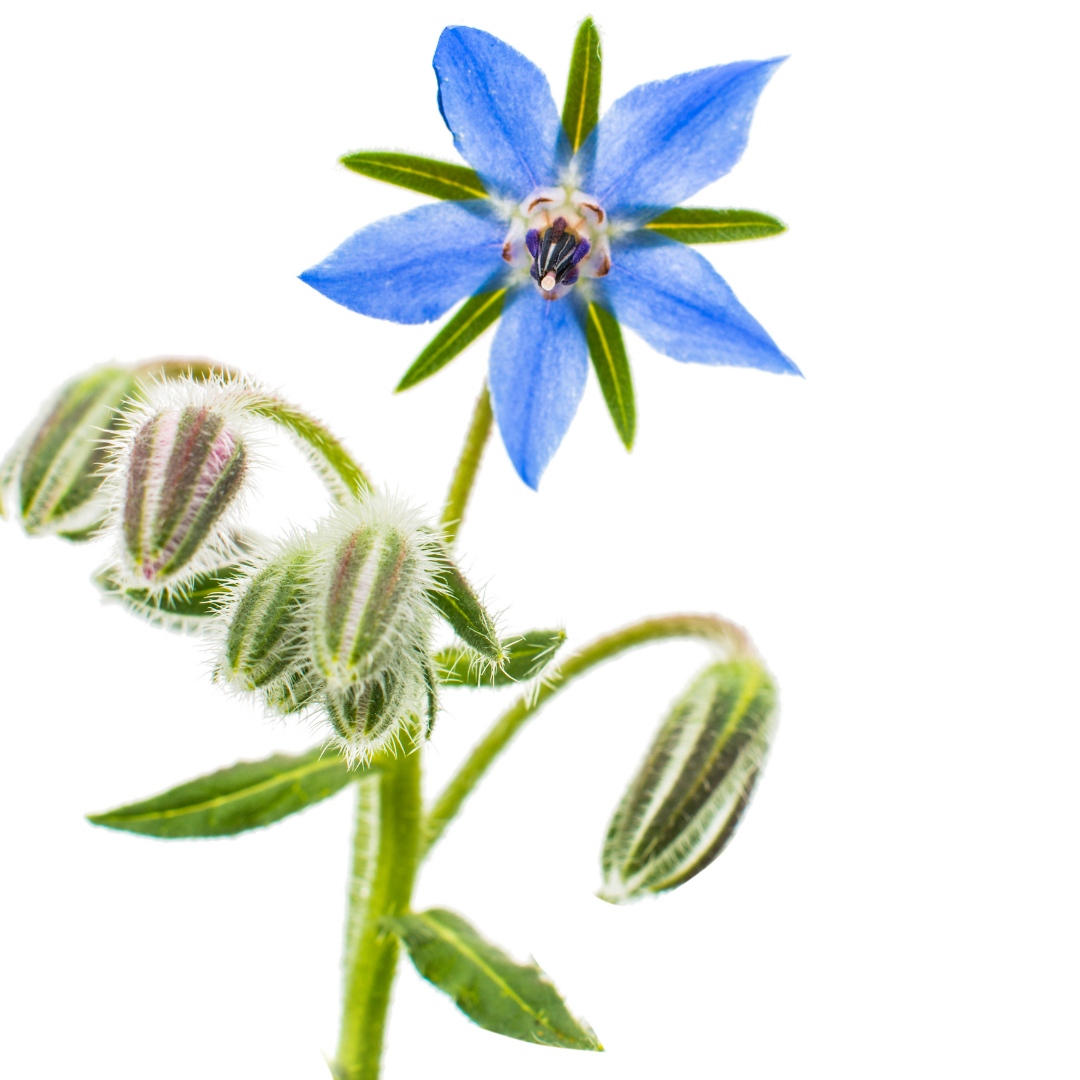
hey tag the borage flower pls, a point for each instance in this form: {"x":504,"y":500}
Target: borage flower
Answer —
{"x":564,"y":229}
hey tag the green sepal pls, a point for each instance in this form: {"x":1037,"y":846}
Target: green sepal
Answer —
{"x":470,"y":321}
{"x":581,"y":109}
{"x":516,"y":1000}
{"x":247,"y":795}
{"x":612,"y":370}
{"x":698,"y":225}
{"x":440,"y":179}
{"x":190,"y":607}
{"x":526,"y":656}
{"x":459,"y":605}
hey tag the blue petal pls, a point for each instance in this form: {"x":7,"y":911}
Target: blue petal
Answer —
{"x":539,"y":361}
{"x":682,"y":307}
{"x":663,"y":141}
{"x":414,"y":267}
{"x":499,"y":108}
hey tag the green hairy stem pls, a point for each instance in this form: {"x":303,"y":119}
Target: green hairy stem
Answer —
{"x":718,"y":632}
{"x":468,"y":464}
{"x":385,"y":857}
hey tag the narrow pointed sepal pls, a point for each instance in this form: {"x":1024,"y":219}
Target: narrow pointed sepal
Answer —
{"x":247,"y":795}
{"x":525,"y":657}
{"x":192,"y":608}
{"x":516,"y":1000}
{"x":440,"y":179}
{"x":467,"y":324}
{"x":686,"y":801}
{"x":612,"y":367}
{"x":51,"y":481}
{"x":581,"y":108}
{"x":699,"y":225}
{"x":460,"y":605}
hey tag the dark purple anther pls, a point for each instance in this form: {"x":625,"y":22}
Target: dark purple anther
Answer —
{"x":532,"y":242}
{"x":557,"y":255}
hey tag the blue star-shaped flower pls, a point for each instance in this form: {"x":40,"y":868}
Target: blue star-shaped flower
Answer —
{"x":567,"y":242}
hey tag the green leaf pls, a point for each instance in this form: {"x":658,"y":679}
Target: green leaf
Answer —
{"x":247,"y":795}
{"x":612,"y":369}
{"x":459,"y":605}
{"x":698,"y":225}
{"x":517,"y":1000}
{"x":188,"y":608}
{"x":440,"y":179}
{"x":582,"y":107}
{"x":471,"y":320}
{"x":526,"y":655}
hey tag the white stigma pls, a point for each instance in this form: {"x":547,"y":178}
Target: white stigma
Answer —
{"x":548,"y":282}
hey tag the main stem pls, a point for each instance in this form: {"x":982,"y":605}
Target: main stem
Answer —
{"x":385,"y":858}
{"x":461,"y":484}
{"x":718,"y":632}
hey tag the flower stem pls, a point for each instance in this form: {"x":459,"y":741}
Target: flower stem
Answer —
{"x":341,"y":474}
{"x":468,"y":464}
{"x":385,"y":848}
{"x":719,"y":632}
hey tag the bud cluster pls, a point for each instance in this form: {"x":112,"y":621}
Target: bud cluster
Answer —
{"x":341,"y":619}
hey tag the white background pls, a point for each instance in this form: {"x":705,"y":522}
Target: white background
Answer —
{"x":896,"y":531}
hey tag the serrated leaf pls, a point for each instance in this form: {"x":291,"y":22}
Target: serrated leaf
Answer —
{"x":189,"y":608}
{"x":460,"y":606}
{"x":581,"y":109}
{"x":247,"y":795}
{"x":516,"y":1000}
{"x":441,"y":179}
{"x":471,"y":320}
{"x":526,"y":656}
{"x":612,"y":370}
{"x":698,"y":225}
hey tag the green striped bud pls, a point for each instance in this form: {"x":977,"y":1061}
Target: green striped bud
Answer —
{"x":370,"y":610}
{"x":367,"y":716}
{"x":52,"y":480}
{"x":685,"y":803}
{"x":177,"y":471}
{"x":264,"y":645}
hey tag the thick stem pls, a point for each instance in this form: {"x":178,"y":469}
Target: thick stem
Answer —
{"x":387,"y":834}
{"x":465,"y":474}
{"x":710,"y":628}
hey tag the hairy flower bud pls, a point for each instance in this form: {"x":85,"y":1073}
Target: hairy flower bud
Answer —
{"x":177,"y":470}
{"x":366,"y":716}
{"x":373,"y":570}
{"x":683,"y":806}
{"x":264,"y":645}
{"x":52,"y":480}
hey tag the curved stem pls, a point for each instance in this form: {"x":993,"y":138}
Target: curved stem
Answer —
{"x":465,"y":474}
{"x":729,"y":637}
{"x":341,"y":474}
{"x":385,"y":850}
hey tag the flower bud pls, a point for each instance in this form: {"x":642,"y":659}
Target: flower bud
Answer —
{"x":683,"y":806}
{"x":264,"y":644}
{"x":176,"y":472}
{"x":52,"y":480}
{"x":370,"y":610}
{"x":367,"y":716}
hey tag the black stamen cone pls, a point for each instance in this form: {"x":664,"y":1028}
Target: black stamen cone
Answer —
{"x":558,"y":254}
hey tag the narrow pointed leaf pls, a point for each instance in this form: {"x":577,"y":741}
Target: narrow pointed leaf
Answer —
{"x":581,"y":109}
{"x":612,"y":370}
{"x":517,"y":1000}
{"x":698,"y":225}
{"x":526,"y":656}
{"x":690,"y":793}
{"x":440,"y":179}
{"x":192,"y":607}
{"x":471,"y":320}
{"x":247,"y":795}
{"x":460,"y":606}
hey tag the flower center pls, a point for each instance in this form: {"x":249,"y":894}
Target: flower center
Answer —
{"x":557,"y":235}
{"x":556,"y":254}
